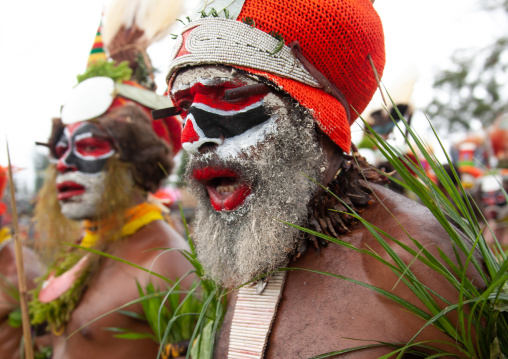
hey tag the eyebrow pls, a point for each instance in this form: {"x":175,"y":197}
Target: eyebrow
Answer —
{"x":217,"y":81}
{"x":95,"y":133}
{"x":249,"y":90}
{"x":229,"y":95}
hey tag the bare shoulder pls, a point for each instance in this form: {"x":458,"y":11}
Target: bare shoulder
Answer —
{"x":32,"y":265}
{"x":157,"y":247}
{"x":158,"y":234}
{"x":344,"y":276}
{"x":391,"y":209}
{"x":405,"y":219}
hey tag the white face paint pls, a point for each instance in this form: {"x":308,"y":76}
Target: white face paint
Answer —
{"x":246,"y":142}
{"x":80,"y":194}
{"x":244,"y":183}
{"x":197,"y":88}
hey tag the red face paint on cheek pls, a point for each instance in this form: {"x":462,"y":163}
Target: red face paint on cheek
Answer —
{"x":210,"y":118}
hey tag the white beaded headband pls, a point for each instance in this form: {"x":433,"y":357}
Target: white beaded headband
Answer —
{"x":214,"y":40}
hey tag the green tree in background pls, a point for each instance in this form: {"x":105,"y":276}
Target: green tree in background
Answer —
{"x":475,"y":85}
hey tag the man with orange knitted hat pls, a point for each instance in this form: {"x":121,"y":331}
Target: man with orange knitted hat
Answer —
{"x":268,"y":90}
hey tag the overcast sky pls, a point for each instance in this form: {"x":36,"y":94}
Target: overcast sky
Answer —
{"x":45,"y":44}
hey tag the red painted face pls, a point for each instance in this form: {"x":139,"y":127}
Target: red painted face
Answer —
{"x":210,"y":118}
{"x":83,"y":147}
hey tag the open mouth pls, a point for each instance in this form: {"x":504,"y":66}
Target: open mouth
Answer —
{"x":68,"y":190}
{"x":225,"y":189}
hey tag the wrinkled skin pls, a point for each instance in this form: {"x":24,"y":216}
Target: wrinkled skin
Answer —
{"x":10,"y":337}
{"x":318,"y":312}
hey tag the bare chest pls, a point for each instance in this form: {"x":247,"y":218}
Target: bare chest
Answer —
{"x":318,"y":314}
{"x":100,"y":314}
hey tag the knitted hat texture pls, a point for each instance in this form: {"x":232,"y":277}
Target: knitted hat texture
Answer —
{"x":335,"y":36}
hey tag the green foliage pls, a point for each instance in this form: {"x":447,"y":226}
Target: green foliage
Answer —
{"x":15,"y":319}
{"x":212,"y":13}
{"x":184,"y":159}
{"x":142,"y":73}
{"x":7,"y":287}
{"x":212,"y":311}
{"x":58,"y":312}
{"x":44,"y":353}
{"x":280,"y":45}
{"x":175,"y":315}
{"x":249,"y":21}
{"x":481,"y":312}
{"x":119,"y":73}
{"x":473,"y":87}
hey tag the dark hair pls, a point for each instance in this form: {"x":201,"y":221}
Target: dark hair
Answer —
{"x":131,"y":129}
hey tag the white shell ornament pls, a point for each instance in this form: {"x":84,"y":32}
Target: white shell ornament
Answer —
{"x":88,"y":100}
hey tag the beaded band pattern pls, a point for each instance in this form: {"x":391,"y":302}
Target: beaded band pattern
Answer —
{"x":233,"y":43}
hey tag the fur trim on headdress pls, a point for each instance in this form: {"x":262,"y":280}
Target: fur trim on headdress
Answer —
{"x":328,"y":212}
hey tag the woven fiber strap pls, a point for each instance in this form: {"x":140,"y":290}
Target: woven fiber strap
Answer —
{"x":253,"y":318}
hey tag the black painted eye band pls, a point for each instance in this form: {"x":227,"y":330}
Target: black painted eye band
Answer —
{"x":214,"y":125}
{"x":229,"y":95}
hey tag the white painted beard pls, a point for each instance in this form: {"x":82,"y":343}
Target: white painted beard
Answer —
{"x":236,"y":246}
{"x":87,"y":204}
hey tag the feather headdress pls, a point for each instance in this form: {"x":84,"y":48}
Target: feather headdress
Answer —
{"x":130,"y":26}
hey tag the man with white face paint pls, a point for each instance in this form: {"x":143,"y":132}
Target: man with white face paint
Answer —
{"x":104,"y":168}
{"x":268,"y":91}
{"x":107,"y":155}
{"x":82,"y":153}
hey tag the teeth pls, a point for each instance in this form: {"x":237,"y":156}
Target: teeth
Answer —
{"x":227,"y":189}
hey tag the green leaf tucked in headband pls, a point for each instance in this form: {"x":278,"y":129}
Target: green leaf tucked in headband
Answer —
{"x":119,"y":73}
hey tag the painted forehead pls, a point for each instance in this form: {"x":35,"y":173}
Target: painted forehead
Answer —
{"x":208,"y":76}
{"x":80,"y":130}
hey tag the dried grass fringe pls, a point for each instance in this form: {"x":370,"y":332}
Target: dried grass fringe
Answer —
{"x":328,"y":214}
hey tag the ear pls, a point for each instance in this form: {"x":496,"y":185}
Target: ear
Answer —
{"x":334,"y":156}
{"x":56,"y":132}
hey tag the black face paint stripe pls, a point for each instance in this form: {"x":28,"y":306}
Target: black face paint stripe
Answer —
{"x":70,"y":158}
{"x":215,"y":125}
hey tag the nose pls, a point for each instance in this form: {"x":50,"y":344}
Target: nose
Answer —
{"x":63,"y":167}
{"x":194,"y":141}
{"x":207,"y":147}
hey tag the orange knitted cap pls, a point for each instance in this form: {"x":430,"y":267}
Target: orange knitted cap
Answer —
{"x":336,"y":37}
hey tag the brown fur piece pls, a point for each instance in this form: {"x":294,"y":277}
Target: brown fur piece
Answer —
{"x":132,"y":131}
{"x":127,"y":46}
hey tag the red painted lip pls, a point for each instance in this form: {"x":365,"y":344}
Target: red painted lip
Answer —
{"x":215,"y":178}
{"x":69,"y":189}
